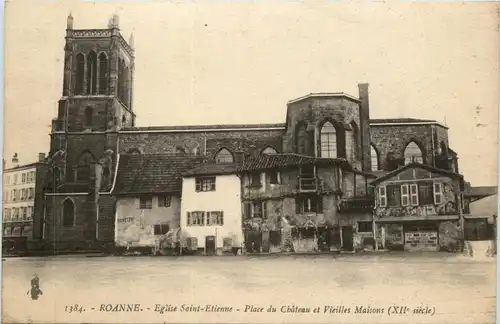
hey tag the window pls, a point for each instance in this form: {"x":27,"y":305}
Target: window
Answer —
{"x":269,"y":150}
{"x":145,"y":203}
{"x":274,"y":177}
{"x":438,"y":193}
{"x":15,"y":213}
{"x":91,"y":73}
{"x":224,"y":156}
{"x":426,"y":194}
{"x":196,"y":218}
{"x":382,"y":196}
{"x":164,"y":201}
{"x":6,"y":196}
{"x":6,"y":214}
{"x":374,"y":158}
{"x":365,"y":227}
{"x":413,"y":153}
{"x":393,"y":196}
{"x":7,"y":180}
{"x":14,"y":195}
{"x":88,"y":116}
{"x":309,"y":204}
{"x":205,"y":184}
{"x":15,"y":178}
{"x":68,"y":213}
{"x":124,"y":120}
{"x":23,"y":194}
{"x":103,"y":73}
{"x":255,"y":180}
{"x":328,"y":141}
{"x":405,"y":201}
{"x":80,"y":74}
{"x":259,"y":209}
{"x":161,"y":229}
{"x":23,"y":178}
{"x":25,"y":213}
{"x":30,"y":213}
{"x":215,"y":218}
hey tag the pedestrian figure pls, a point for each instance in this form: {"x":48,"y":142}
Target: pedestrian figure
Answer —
{"x":35,"y":288}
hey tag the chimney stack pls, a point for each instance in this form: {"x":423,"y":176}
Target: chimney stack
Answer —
{"x":15,"y":161}
{"x":364,"y":118}
{"x":41,"y":157}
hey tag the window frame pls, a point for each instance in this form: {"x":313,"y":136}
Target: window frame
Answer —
{"x":164,"y":200}
{"x":438,"y":193}
{"x":219,"y":218}
{"x":382,"y":196}
{"x":201,"y":184}
{"x":200,"y":217}
{"x":145,"y":202}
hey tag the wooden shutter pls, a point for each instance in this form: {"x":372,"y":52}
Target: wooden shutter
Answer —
{"x":247,"y":210}
{"x":188,"y":220}
{"x":438,"y":193}
{"x":264,"y":209}
{"x":414,"y":194}
{"x":382,"y":196}
{"x":405,"y":197}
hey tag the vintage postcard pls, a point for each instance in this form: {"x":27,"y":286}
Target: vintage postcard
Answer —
{"x":250,"y":162}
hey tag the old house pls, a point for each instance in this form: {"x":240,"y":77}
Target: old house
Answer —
{"x":148,"y":198}
{"x":290,"y":203}
{"x":211,"y":207}
{"x":418,"y":207}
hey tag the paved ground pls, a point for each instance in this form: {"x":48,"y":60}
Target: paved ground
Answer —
{"x":456,"y":290}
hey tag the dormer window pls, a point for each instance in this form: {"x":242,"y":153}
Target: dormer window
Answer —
{"x":255,"y":180}
{"x":224,"y":156}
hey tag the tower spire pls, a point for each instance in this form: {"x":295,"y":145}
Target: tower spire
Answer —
{"x":114,"y":22}
{"x":131,"y":40}
{"x":69,"y":21}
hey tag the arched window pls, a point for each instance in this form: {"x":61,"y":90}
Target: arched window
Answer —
{"x":80,"y":74}
{"x":83,"y":168}
{"x":91,"y":73}
{"x":88,"y":116}
{"x":68,"y":218}
{"x":355,"y":141}
{"x":413,"y":153}
{"x":374,"y":157}
{"x":303,"y":140}
{"x":124,"y":120}
{"x":328,"y":141}
{"x":103,"y":73}
{"x":126,"y":82}
{"x":269,"y":150}
{"x":224,"y":156}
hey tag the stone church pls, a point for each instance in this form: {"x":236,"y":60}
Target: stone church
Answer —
{"x":95,"y":125}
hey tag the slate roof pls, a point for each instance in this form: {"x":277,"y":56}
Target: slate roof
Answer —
{"x":152,"y":173}
{"x":204,"y":127}
{"x":275,"y":161}
{"x":212,"y":168}
{"x":416,"y":165}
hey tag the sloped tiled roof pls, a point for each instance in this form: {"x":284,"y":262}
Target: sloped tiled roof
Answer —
{"x":152,"y":173}
{"x":416,"y":165}
{"x":276,"y":161}
{"x":212,"y":168}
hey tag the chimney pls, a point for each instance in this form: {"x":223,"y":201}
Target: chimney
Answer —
{"x":364,"y":118}
{"x":15,"y":161}
{"x":239,"y":156}
{"x":41,"y":157}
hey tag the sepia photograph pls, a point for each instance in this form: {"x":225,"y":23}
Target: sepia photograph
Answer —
{"x":250,"y":162}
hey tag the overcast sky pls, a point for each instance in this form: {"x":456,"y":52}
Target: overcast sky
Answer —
{"x":240,"y":62}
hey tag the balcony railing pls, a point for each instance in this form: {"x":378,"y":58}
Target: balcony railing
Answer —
{"x":308,"y":184}
{"x":356,"y":205}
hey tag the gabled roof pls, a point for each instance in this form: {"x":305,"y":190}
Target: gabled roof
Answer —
{"x":276,"y":161}
{"x":212,"y":168}
{"x":152,"y":173}
{"x":416,"y":165}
